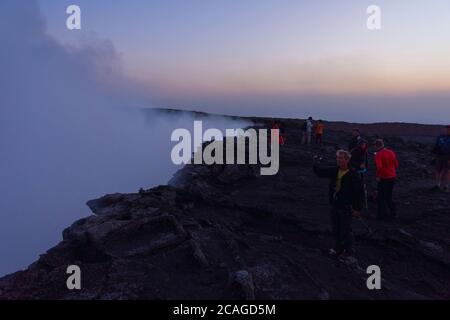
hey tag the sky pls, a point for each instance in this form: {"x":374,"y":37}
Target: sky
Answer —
{"x":284,"y":58}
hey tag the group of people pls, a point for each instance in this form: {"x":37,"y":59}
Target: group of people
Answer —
{"x":347,"y":187}
{"x":308,"y":127}
{"x":346,"y":183}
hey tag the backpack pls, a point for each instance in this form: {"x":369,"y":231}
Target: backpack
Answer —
{"x":442,"y":146}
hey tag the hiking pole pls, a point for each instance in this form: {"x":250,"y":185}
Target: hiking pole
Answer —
{"x":366,"y":201}
{"x":363,"y":222}
{"x":366,"y":197}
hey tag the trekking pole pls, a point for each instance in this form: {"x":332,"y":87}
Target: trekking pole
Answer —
{"x":363,"y":222}
{"x":366,"y":197}
{"x":366,"y":201}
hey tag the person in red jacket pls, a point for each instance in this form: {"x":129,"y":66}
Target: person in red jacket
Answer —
{"x":282,"y":134}
{"x":387,"y":164}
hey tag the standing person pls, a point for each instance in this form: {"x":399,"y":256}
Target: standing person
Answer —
{"x":360,"y":162}
{"x":307,"y":131}
{"x":282,"y":134}
{"x":275,"y":126}
{"x":345,"y":196}
{"x":441,"y":152}
{"x":386,"y":164}
{"x":360,"y":159}
{"x":356,"y":137}
{"x":320,"y":127}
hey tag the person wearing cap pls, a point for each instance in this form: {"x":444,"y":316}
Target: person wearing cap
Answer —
{"x":441,"y":153}
{"x":386,"y":165}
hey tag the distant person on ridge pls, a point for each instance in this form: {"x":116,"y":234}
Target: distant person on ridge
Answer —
{"x":282,"y":134}
{"x":441,"y":152}
{"x":320,"y":127}
{"x":386,"y":164}
{"x":307,"y":131}
{"x":356,"y":137}
{"x":345,"y":195}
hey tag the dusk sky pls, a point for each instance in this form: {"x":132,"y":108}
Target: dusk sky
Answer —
{"x":283,"y":58}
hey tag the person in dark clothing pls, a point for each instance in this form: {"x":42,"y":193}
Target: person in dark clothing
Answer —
{"x":345,"y":196}
{"x":441,"y":153}
{"x":360,"y":159}
{"x":356,"y":137}
{"x":360,"y":162}
{"x":307,"y":131}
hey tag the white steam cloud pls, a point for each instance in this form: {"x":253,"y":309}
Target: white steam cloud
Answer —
{"x":65,"y":137}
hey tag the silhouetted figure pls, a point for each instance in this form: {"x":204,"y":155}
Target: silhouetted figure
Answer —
{"x":356,"y":137}
{"x":360,"y":158}
{"x":307,"y":131}
{"x":441,"y":153}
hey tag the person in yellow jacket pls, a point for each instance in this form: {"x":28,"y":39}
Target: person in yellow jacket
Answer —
{"x":345,"y":194}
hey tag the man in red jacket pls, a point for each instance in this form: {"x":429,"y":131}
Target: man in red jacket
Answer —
{"x":387,"y":165}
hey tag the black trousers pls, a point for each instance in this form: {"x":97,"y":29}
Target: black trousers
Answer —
{"x":341,"y":222}
{"x":385,"y":191}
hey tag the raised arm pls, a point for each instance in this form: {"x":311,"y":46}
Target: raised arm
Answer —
{"x":327,"y":172}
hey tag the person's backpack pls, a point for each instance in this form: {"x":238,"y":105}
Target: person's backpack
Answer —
{"x":442,"y":146}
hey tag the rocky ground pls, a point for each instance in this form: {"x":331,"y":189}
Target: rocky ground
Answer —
{"x":226,"y":232}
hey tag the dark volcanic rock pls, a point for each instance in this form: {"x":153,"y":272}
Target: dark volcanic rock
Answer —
{"x":225,"y":232}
